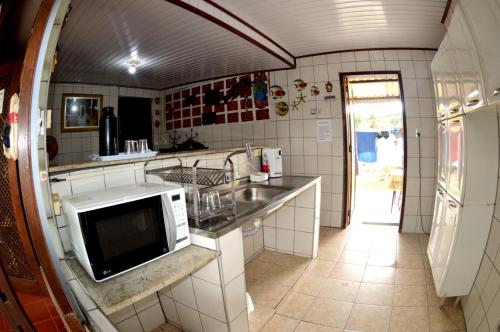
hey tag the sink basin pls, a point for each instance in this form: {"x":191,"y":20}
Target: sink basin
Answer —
{"x":252,"y":196}
{"x":254,"y":193}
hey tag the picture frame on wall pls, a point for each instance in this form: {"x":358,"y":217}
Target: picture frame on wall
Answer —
{"x":80,"y":112}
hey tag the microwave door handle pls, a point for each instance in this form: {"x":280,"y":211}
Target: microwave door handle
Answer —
{"x":170,"y":225}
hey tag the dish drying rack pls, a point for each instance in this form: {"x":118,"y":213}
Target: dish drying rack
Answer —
{"x":200,"y":180}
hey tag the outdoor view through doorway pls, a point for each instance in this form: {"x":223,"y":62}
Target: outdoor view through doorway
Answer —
{"x":376,"y":141}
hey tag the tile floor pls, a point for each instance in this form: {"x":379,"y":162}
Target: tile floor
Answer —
{"x":367,"y":278}
{"x":270,"y":277}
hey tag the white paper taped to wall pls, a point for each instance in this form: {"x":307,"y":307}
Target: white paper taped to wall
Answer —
{"x":324,"y":130}
{"x":2,"y":94}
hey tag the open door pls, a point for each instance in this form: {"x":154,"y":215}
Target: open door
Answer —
{"x":350,"y":176}
{"x":375,"y":148}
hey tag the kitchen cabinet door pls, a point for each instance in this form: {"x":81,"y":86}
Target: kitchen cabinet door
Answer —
{"x":455,"y":157}
{"x":437,"y":225}
{"x":442,"y":153}
{"x":437,"y":70}
{"x":453,"y":98}
{"x":483,"y":17}
{"x":466,"y":61}
{"x":446,"y":237}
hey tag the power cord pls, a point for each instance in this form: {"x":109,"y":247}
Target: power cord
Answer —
{"x":419,"y":209}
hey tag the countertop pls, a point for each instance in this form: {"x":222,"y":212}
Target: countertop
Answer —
{"x":159,"y":156}
{"x":116,"y":293}
{"x":298,"y":185}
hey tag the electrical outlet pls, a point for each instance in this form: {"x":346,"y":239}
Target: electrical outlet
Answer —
{"x":417,"y":132}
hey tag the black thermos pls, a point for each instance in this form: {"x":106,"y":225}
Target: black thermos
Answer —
{"x":108,"y":133}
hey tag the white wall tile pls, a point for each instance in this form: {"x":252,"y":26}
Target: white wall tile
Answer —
{"x":131,"y":324}
{"x":270,"y":220}
{"x":212,"y":325}
{"x":303,"y":243}
{"x":270,"y":237}
{"x":235,"y":296}
{"x":209,"y":299}
{"x":183,"y":292}
{"x":304,"y":219}
{"x":169,"y":310}
{"x":146,"y":302}
{"x":240,"y":324}
{"x":190,"y":319}
{"x":284,"y":240}
{"x":151,"y":318}
{"x":209,"y":272}
{"x":231,"y":247}
{"x":285,"y":218}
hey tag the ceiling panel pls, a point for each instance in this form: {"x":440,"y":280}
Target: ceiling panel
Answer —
{"x":314,"y":26}
{"x":174,"y":45}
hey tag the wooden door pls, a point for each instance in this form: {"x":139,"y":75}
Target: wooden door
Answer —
{"x":350,"y":159}
{"x":16,"y":252}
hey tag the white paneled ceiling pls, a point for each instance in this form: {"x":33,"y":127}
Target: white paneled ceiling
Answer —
{"x":315,"y":26}
{"x":175,"y":46}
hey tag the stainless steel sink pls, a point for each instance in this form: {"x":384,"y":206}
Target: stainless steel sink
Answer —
{"x":251,"y":196}
{"x":256,"y":193}
{"x":252,"y":200}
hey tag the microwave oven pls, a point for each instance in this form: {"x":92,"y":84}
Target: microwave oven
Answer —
{"x":118,"y":229}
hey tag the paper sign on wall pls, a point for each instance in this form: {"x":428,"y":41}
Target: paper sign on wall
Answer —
{"x":2,"y":93}
{"x":324,"y":130}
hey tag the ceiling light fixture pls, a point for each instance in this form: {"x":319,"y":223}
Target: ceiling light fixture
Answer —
{"x":132,"y":65}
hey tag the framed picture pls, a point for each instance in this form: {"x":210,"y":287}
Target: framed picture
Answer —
{"x":80,"y":112}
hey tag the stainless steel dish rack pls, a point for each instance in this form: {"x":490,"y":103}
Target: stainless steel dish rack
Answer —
{"x":200,"y":180}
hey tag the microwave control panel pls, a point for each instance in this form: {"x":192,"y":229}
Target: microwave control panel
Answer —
{"x":180,"y":215}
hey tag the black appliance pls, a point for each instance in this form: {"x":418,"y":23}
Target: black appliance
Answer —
{"x":108,"y":133}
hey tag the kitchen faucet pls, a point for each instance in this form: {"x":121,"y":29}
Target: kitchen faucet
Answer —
{"x":248,"y":151}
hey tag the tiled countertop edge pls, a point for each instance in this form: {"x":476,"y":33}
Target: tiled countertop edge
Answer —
{"x":130,"y":287}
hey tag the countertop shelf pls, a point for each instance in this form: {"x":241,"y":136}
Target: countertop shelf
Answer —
{"x":116,"y":293}
{"x":160,"y":156}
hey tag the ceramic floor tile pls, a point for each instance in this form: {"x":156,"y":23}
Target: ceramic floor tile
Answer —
{"x":295,"y":261}
{"x":295,"y":305}
{"x":320,"y":268}
{"x":268,"y":256}
{"x":257,"y":269}
{"x":410,"y":296}
{"x":350,"y":272}
{"x":267,"y":294}
{"x":409,"y":261}
{"x":383,"y":259}
{"x":260,"y":316}
{"x":369,"y":318}
{"x":410,"y":277}
{"x":329,"y":253}
{"x":354,"y":257}
{"x":409,"y":319}
{"x":340,"y":290}
{"x":393,"y":292}
{"x":379,"y":294}
{"x":284,"y":275}
{"x":310,"y":285}
{"x":280,"y":324}
{"x":310,"y":327}
{"x":328,"y":312}
{"x":446,"y":319}
{"x":379,"y":275}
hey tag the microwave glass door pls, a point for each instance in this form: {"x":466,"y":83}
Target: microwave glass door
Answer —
{"x":122,"y":236}
{"x":455,"y":163}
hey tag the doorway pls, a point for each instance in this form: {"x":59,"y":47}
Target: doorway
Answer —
{"x":375,"y":136}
